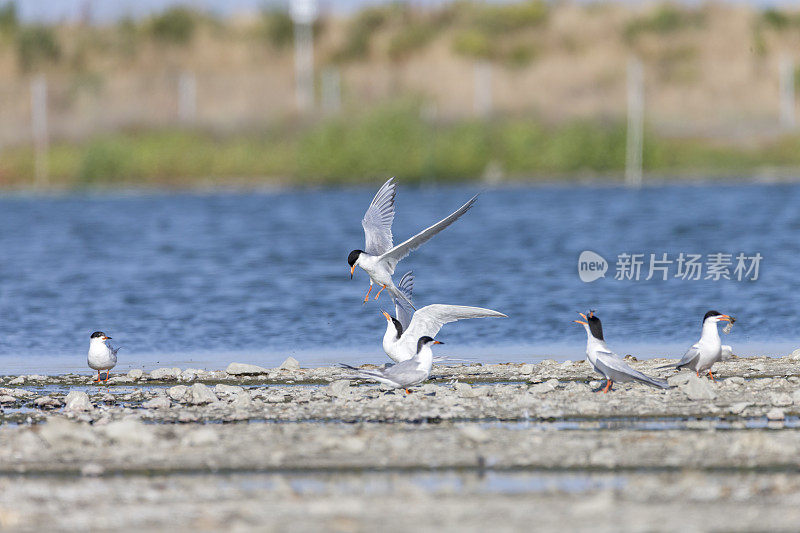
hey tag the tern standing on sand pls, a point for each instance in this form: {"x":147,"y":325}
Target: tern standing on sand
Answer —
{"x":101,"y":355}
{"x":606,"y":362}
{"x":406,"y":374}
{"x":380,"y":258}
{"x":708,"y":350}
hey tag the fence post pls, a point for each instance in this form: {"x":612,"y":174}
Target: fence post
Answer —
{"x":304,"y":12}
{"x":482,"y":88}
{"x":786,"y":73}
{"x":635,"y":133}
{"x":187,"y":97}
{"x":331,"y":90}
{"x":39,"y":128}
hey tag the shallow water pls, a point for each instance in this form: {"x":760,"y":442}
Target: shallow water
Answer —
{"x":204,"y":279}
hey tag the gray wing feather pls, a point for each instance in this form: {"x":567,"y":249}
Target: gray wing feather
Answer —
{"x":377,"y":221}
{"x":402,"y":374}
{"x":403,"y":311}
{"x":690,"y":355}
{"x":430,"y":319}
{"x":611,"y":366}
{"x":393,"y":256}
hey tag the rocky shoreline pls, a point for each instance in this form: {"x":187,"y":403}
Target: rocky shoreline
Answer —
{"x":516,"y":423}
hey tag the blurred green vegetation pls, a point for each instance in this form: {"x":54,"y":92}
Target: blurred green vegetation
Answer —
{"x":667,"y":18}
{"x":394,"y":140}
{"x":176,"y":25}
{"x":36,"y":46}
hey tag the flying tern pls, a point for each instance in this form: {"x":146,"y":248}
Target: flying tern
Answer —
{"x":380,"y":257}
{"x":610,"y":365}
{"x":407,"y":373}
{"x":101,"y":355}
{"x":708,"y":350}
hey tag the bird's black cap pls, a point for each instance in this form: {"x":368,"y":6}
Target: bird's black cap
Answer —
{"x":595,"y":326}
{"x":353,"y":257}
{"x":397,"y":325}
{"x":98,"y":334}
{"x":423,"y":341}
{"x":711,"y":313}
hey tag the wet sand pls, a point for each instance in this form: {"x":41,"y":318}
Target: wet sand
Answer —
{"x":506,"y":447}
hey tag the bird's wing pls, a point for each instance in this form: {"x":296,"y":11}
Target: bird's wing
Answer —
{"x":406,"y":373}
{"x":430,"y":319}
{"x":393,"y":256}
{"x":402,"y":310}
{"x":377,"y":221}
{"x":609,"y":365}
{"x":690,"y":355}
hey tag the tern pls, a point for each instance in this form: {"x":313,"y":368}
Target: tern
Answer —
{"x":708,"y":350}
{"x":406,"y":374}
{"x":610,"y":365}
{"x":380,"y":257}
{"x":101,"y":355}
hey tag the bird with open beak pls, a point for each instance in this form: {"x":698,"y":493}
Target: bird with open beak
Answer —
{"x":605,"y":362}
{"x":702,"y":355}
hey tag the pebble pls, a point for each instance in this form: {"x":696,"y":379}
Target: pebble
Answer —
{"x":781,"y":400}
{"x":526,"y":369}
{"x":290,"y":364}
{"x":165,"y":374}
{"x":136,"y":374}
{"x":698,"y":389}
{"x":339,"y":388}
{"x":77,"y":401}
{"x":47,"y":402}
{"x":775,"y":414}
{"x":201,"y":394}
{"x":177,"y":392}
{"x":159,"y":402}
{"x":244,"y":369}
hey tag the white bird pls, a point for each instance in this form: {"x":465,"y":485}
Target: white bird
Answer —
{"x":406,"y":374}
{"x":399,"y":341}
{"x":726,"y":352}
{"x":101,"y":355}
{"x":380,"y":257}
{"x":708,"y":350}
{"x":605,"y":362}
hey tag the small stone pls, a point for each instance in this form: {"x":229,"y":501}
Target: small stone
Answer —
{"x":47,"y":403}
{"x":738,"y":408}
{"x":7,"y":399}
{"x":77,"y":401}
{"x":17,"y":381}
{"x":676,"y":380}
{"x":781,"y":400}
{"x":187,"y":375}
{"x":796,"y":396}
{"x":201,"y":394}
{"x":244,"y":369}
{"x":775,"y":414}
{"x":228,"y":390}
{"x":165,"y":374}
{"x":526,"y":369}
{"x":18,"y":393}
{"x":474,"y":433}
{"x":339,"y":388}
{"x":135,"y":374}
{"x":795,"y":355}
{"x":242,"y":401}
{"x":202,"y":436}
{"x":735,"y":380}
{"x":543,"y":388}
{"x":177,"y":392}
{"x":698,"y":389}
{"x":129,"y":431}
{"x":92,"y":470}
{"x":289,"y":364}
{"x":159,"y":402}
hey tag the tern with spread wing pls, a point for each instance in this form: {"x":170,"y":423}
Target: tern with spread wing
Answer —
{"x":380,"y":257}
{"x":406,"y":374}
{"x":399,"y":341}
{"x":610,"y":365}
{"x":708,"y":350}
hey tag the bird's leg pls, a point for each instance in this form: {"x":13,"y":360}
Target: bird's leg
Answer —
{"x":698,"y":373}
{"x":380,"y":291}
{"x":366,"y":296}
{"x":106,"y":375}
{"x":98,"y":377}
{"x":408,"y":391}
{"x":608,"y":386}
{"x":711,"y":376}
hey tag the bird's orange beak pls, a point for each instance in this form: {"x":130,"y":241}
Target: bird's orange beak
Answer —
{"x":438,"y":342}
{"x":581,"y":321}
{"x":725,"y":317}
{"x":352,"y":268}
{"x":387,"y":315}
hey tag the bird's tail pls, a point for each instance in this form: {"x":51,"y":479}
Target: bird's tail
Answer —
{"x":671,"y":365}
{"x":397,"y":293}
{"x":360,"y":372}
{"x":653,"y":382}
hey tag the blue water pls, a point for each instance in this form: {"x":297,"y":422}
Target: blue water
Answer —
{"x":208,"y":278}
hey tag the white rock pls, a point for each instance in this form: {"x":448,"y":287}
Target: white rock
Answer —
{"x":135,"y":374}
{"x":227,"y":390}
{"x":5,"y":398}
{"x":46,"y":402}
{"x":289,"y":364}
{"x":775,"y":414}
{"x":244,"y":369}
{"x":59,"y":432}
{"x":200,"y":394}
{"x":676,"y":380}
{"x":698,"y":389}
{"x":542,"y":388}
{"x":738,"y":408}
{"x":242,"y":401}
{"x":78,"y":401}
{"x":474,"y":433}
{"x":339,"y":388}
{"x":17,"y":393}
{"x":795,"y":355}
{"x":187,"y":375}
{"x":159,"y":402}
{"x":796,"y":396}
{"x":17,"y":381}
{"x":129,"y":431}
{"x":526,"y":369}
{"x":781,"y":400}
{"x":165,"y":374}
{"x":735,"y":380}
{"x":177,"y":392}
{"x":202,"y":436}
